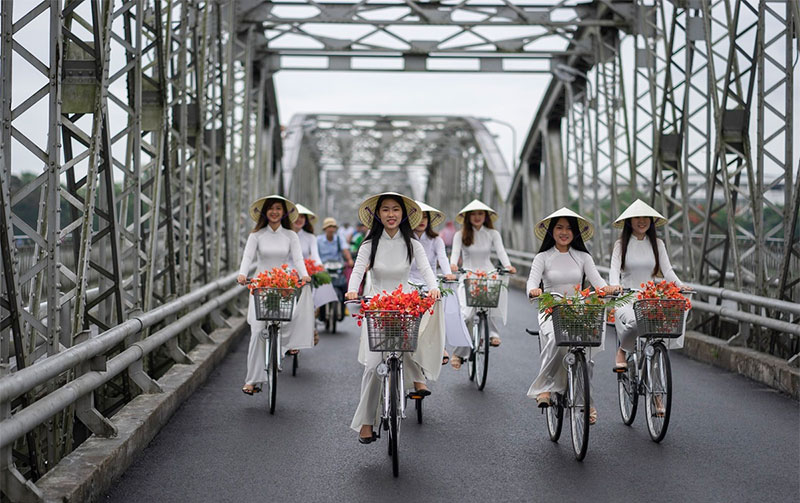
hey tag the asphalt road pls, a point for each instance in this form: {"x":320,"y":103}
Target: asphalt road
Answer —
{"x":729,"y":439}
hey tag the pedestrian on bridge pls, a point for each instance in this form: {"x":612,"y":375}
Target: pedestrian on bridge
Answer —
{"x":270,"y":244}
{"x":562,"y":262}
{"x":636,"y":261}
{"x":473,"y":244}
{"x":304,"y":227}
{"x":387,"y":254}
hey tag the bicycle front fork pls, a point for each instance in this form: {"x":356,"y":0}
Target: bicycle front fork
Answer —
{"x":270,"y":335}
{"x":384,"y":369}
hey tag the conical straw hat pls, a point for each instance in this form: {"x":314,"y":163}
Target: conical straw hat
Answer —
{"x":436,"y":217}
{"x":367,"y":209}
{"x":586,"y":228}
{"x":255,"y":208}
{"x":476,"y":205}
{"x":310,"y":215}
{"x":640,"y":208}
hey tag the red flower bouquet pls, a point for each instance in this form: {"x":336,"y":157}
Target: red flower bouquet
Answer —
{"x":482,"y":289}
{"x":274,"y":292}
{"x":277,"y":277}
{"x":661,"y":309}
{"x":393,"y":319}
{"x":319,"y":276}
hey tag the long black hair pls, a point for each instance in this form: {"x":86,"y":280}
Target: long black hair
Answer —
{"x":467,"y":231}
{"x":262,"y":216}
{"x":375,"y":232}
{"x":627,"y":231}
{"x":577,"y":239}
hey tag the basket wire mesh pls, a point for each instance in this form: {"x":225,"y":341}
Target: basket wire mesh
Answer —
{"x":274,"y":304}
{"x":660,"y":317}
{"x":482,"y":292}
{"x":392,"y":331}
{"x":579,"y":324}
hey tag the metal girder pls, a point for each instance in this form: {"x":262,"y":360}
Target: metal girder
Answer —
{"x":462,"y":36}
{"x":338,"y":160}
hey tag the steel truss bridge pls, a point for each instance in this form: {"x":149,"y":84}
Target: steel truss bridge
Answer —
{"x":150,"y":125}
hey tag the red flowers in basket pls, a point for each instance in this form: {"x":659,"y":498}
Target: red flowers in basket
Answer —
{"x":663,"y":290}
{"x":312,"y":267}
{"x":277,"y":277}
{"x":411,"y":303}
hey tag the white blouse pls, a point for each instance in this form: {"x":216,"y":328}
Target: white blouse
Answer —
{"x":434,"y":250}
{"x":477,"y":257}
{"x":639,"y":263}
{"x":308,"y":244}
{"x":272,"y":248}
{"x":560,"y":272}
{"x":391,"y":265}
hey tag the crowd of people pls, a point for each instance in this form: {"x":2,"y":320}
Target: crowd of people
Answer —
{"x":395,"y":243}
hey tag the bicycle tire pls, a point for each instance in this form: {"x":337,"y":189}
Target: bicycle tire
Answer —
{"x":395,"y":381}
{"x":554,"y":414}
{"x":482,"y":355}
{"x":579,"y":407}
{"x":476,"y":337}
{"x":272,"y":369}
{"x":628,"y":392}
{"x":294,"y":364}
{"x":658,"y":384}
{"x":419,"y":411}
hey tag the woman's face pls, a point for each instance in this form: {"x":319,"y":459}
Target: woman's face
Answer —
{"x":299,"y":223}
{"x":562,"y":232}
{"x":476,"y":218}
{"x":391,"y":214}
{"x":275,"y":213}
{"x":423,"y":224}
{"x":640,"y":225}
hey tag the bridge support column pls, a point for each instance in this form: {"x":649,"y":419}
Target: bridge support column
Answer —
{"x":12,"y":483}
{"x":84,"y":406}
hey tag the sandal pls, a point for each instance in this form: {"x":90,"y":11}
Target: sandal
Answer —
{"x":445,"y":358}
{"x":456,"y":362}
{"x":316,"y":337}
{"x":494,"y":341}
{"x":592,"y":416}
{"x":367,"y":440}
{"x":292,"y":352}
{"x":543,"y":400}
{"x":250,"y":390}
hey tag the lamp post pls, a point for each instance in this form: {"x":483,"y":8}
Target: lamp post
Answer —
{"x":513,"y":138}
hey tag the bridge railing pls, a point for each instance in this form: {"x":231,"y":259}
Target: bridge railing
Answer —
{"x":725,"y":303}
{"x":90,"y":367}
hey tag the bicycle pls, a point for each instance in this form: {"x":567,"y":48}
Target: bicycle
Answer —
{"x":333,"y":312}
{"x":274,"y":305}
{"x":392,"y":333}
{"x":482,"y":293}
{"x":648,"y":371}
{"x":576,"y":326}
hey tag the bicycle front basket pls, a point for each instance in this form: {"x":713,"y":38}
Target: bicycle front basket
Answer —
{"x":391,"y":331}
{"x":274,"y":304}
{"x":579,"y":324}
{"x":660,"y":317}
{"x":482,"y":292}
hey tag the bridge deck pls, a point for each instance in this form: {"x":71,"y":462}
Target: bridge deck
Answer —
{"x":729,"y":439}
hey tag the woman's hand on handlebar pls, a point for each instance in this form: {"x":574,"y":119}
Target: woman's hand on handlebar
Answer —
{"x":612,"y":289}
{"x":450,"y":277}
{"x":535,"y":292}
{"x":511,"y":269}
{"x":435,"y":294}
{"x":241,"y":279}
{"x":306,"y":279}
{"x":351,"y":296}
{"x":453,"y":268}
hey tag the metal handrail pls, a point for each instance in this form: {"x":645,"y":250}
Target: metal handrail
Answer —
{"x":28,"y":378}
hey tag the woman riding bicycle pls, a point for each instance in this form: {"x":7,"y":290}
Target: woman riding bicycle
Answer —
{"x":387,"y":253}
{"x":562,"y":263}
{"x":434,"y":249}
{"x":637,"y":261}
{"x":304,"y":310}
{"x":473,"y":244}
{"x":270,"y":244}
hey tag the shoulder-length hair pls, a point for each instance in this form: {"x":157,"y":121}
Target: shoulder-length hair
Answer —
{"x":375,"y":232}
{"x":262,"y":216}
{"x":308,"y":226}
{"x":428,"y":229}
{"x":467,"y":231}
{"x":577,"y":240}
{"x":627,"y":231}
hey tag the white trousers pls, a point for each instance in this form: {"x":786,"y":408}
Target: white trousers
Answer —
{"x":625,"y":323}
{"x":552,"y":374}
{"x":368,"y":411}
{"x":494,"y":331}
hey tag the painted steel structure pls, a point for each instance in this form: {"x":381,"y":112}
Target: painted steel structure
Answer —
{"x":158,"y":123}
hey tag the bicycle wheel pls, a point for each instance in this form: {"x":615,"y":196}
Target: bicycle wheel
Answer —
{"x":482,"y":354}
{"x":555,"y":417}
{"x":395,"y":385}
{"x":628,"y":392}
{"x":272,"y":368}
{"x":419,"y":411}
{"x":658,"y":390}
{"x":294,"y":364}
{"x":330,"y":318}
{"x":579,"y":406}
{"x":473,"y":354}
